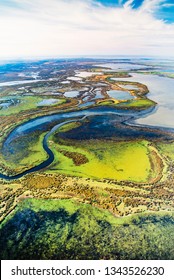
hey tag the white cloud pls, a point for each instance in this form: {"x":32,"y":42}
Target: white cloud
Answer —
{"x":151,"y":5}
{"x":128,"y":4}
{"x":74,"y":27}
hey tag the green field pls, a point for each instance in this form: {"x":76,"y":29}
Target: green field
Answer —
{"x":104,"y":159}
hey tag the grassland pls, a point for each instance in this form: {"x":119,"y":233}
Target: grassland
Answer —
{"x":127,"y":161}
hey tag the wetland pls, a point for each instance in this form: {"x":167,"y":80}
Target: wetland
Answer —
{"x":89,"y":146}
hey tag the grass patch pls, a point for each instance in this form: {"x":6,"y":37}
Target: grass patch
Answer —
{"x":69,"y":126}
{"x":139,"y":103}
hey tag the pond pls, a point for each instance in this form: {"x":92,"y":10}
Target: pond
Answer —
{"x":73,"y":93}
{"x":98,"y":94}
{"x":46,"y":102}
{"x":120,"y":95}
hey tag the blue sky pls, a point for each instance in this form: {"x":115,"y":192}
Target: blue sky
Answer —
{"x":164,"y":11}
{"x":33,"y":28}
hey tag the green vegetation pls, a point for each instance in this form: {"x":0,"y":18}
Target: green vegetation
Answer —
{"x":107,"y":102}
{"x":64,"y":229}
{"x":36,"y":153}
{"x":139,"y":103}
{"x":166,"y":149}
{"x":116,"y":75}
{"x":142,"y":103}
{"x":26,"y":103}
{"x":106,"y":159}
{"x":30,"y":154}
{"x":69,"y":126}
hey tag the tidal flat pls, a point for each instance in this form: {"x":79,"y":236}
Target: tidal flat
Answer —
{"x":86,"y":161}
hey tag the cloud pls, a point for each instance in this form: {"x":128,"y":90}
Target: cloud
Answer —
{"x":151,"y":5}
{"x":128,"y":4}
{"x":79,"y":27}
{"x":168,"y":5}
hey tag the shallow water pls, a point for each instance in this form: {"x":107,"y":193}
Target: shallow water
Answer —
{"x":73,"y":93}
{"x":120,"y":95}
{"x":46,"y":102}
{"x":89,"y":103}
{"x":98,"y":94}
{"x":131,"y":87}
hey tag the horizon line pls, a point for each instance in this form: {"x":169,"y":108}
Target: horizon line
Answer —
{"x":116,"y":56}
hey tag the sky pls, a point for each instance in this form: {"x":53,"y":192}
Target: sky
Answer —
{"x":60,"y":28}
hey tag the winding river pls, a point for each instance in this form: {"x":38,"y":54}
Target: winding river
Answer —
{"x":51,"y":123}
{"x":131,"y":123}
